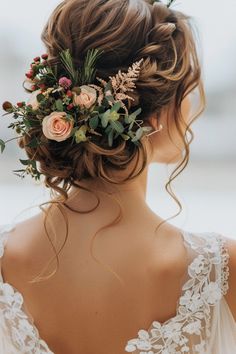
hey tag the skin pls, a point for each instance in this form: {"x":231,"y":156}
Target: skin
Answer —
{"x":86,"y":299}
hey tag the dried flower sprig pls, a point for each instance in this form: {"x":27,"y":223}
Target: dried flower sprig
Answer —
{"x":67,"y":103}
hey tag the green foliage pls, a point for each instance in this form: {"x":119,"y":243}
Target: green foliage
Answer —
{"x":2,"y":145}
{"x":93,"y":122}
{"x":88,"y":71}
{"x":68,"y":64}
{"x":59,"y":105}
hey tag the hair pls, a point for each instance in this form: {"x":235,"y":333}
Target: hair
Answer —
{"x":126,"y":30}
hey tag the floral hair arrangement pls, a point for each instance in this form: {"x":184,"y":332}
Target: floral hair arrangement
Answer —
{"x":70,"y":106}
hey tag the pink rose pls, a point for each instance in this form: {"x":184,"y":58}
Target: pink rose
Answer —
{"x":86,"y":98}
{"x":57,"y":127}
{"x":33,"y":99}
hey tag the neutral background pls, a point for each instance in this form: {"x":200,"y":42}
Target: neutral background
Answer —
{"x":207,"y":189}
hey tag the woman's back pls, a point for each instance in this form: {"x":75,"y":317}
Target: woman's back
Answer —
{"x":87,"y":300}
{"x":84,"y":309}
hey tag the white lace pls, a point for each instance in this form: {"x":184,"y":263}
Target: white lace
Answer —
{"x":24,"y":334}
{"x":207,"y":283}
{"x":189,"y":330}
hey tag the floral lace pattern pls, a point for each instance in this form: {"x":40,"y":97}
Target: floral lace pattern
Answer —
{"x":24,"y":334}
{"x":189,"y":330}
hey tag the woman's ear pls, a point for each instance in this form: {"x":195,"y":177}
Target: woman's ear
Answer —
{"x":153,"y":121}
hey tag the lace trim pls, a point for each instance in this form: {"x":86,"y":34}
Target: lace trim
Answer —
{"x":24,"y":334}
{"x":224,"y":266}
{"x":194,"y":309}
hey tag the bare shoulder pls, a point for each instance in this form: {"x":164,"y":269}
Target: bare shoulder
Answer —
{"x":230,"y":244}
{"x":23,"y":248}
{"x":170,"y":251}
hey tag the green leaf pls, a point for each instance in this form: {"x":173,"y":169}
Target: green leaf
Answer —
{"x":93,"y":122}
{"x":117,"y":126}
{"x":127,"y":119}
{"x":125,"y":137}
{"x":110,"y":138}
{"x":105,"y":118}
{"x":34,"y":143}
{"x":108,"y":129}
{"x":110,"y":98}
{"x":59,"y":105}
{"x":2,"y":145}
{"x":25,"y":162}
{"x":116,"y":107}
{"x":138,"y":134}
{"x":88,"y":71}
{"x":134,"y":114}
{"x":68,"y":64}
{"x":40,"y":97}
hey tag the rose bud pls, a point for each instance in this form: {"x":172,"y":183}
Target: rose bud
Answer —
{"x":29,"y":74}
{"x":33,"y":88}
{"x":70,"y":106}
{"x":44,"y":56}
{"x":7,"y":106}
{"x":42,"y":86}
{"x":37,"y":59}
{"x":20,"y":104}
{"x":45,"y":63}
{"x":69,"y":93}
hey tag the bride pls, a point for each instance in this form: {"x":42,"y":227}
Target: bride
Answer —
{"x":96,"y":270}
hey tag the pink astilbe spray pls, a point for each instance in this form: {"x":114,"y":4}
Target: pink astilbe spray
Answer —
{"x":124,"y":82}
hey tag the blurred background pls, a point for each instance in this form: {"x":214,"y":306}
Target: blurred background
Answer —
{"x":207,"y":188}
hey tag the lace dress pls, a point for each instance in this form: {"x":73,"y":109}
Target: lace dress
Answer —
{"x":203,"y":323}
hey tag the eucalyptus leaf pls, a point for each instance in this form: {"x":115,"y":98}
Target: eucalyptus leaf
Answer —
{"x":110,"y":138}
{"x":93,"y":122}
{"x":117,"y":126}
{"x":108,"y":129}
{"x":125,"y":137}
{"x":105,"y":118}
{"x":116,"y":107}
{"x":59,"y":105}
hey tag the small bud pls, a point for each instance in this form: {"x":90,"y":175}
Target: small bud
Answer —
{"x":33,"y":88}
{"x":42,"y":86}
{"x":70,"y":106}
{"x":44,"y":56}
{"x":20,"y":104}
{"x":77,"y":90}
{"x":69,"y":93}
{"x":36,"y":59}
{"x":7,"y":106}
{"x":29,"y":74}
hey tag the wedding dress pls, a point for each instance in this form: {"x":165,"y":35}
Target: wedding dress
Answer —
{"x":203,"y":323}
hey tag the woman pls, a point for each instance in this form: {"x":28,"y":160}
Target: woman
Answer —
{"x":124,"y":280}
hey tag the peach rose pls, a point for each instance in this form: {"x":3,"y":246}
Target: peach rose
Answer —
{"x":56,"y":127}
{"x":33,"y":99}
{"x":86,"y":98}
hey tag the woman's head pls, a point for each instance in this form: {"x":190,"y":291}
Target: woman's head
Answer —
{"x":126,"y":31}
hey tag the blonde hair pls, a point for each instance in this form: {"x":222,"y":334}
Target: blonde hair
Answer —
{"x":126,"y":30}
